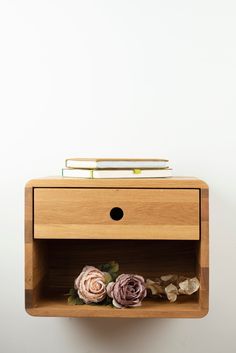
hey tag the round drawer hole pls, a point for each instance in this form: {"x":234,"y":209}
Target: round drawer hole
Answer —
{"x":116,"y":213}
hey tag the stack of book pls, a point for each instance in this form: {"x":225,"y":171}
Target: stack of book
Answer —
{"x":116,"y":168}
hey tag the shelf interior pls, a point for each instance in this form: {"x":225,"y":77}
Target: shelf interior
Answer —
{"x":61,"y":261}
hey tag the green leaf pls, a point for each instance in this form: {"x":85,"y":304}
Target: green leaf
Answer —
{"x":114,"y":266}
{"x":105,"y":267}
{"x":114,"y":276}
{"x":79,"y":301}
{"x":71,"y":300}
{"x":111,"y":267}
{"x":75,"y":300}
{"x":107,"y":301}
{"x":108,"y":277}
{"x":73,"y":292}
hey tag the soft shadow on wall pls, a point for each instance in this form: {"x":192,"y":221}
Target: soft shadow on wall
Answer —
{"x":117,"y":335}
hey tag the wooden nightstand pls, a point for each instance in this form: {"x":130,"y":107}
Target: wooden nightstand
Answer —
{"x":150,"y":226}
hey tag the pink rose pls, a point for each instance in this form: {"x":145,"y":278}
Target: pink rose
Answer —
{"x":90,"y":285}
{"x":127,"y":291}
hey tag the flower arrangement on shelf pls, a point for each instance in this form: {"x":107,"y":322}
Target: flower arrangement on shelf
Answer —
{"x":105,"y":286}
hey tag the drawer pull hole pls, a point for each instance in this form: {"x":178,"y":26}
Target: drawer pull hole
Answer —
{"x":116,"y":213}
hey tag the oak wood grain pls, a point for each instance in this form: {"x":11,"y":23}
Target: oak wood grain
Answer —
{"x":35,"y":255}
{"x":85,"y":213}
{"x":203,"y":255}
{"x":173,"y":182}
{"x":52,"y":264}
{"x":150,"y":309}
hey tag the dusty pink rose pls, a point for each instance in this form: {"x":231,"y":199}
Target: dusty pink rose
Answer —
{"x":90,"y":285}
{"x":127,"y":291}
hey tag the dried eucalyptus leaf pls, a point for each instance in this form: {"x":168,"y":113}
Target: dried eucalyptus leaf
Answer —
{"x":155,"y":288}
{"x":166,"y":278}
{"x":189,"y":286}
{"x":171,"y":292}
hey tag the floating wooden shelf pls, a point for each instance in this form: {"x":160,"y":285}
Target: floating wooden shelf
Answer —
{"x":150,"y":226}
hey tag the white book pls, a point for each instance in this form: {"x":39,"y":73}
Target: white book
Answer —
{"x":118,"y":173}
{"x":115,"y":163}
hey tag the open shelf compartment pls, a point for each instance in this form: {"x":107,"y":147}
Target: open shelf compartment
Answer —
{"x":60,"y":262}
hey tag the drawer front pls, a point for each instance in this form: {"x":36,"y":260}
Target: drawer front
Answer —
{"x":79,"y":213}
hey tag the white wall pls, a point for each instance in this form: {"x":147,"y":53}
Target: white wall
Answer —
{"x":118,"y":78}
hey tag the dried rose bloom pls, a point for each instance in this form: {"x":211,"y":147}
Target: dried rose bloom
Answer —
{"x":127,"y":291}
{"x":91,"y":285}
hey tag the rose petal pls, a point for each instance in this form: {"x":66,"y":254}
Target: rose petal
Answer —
{"x":109,"y":289}
{"x":115,"y":304}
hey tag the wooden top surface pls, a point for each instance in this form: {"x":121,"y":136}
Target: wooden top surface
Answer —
{"x":172,"y":182}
